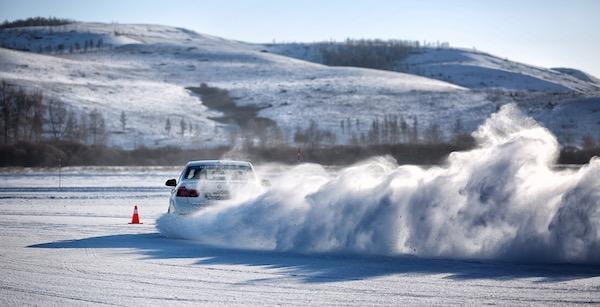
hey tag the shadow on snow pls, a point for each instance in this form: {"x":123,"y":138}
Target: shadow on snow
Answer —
{"x":321,"y":268}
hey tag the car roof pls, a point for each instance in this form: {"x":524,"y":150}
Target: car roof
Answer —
{"x":218,"y":162}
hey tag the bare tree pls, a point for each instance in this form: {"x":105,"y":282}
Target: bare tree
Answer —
{"x":6,"y":105}
{"x":34,"y":117}
{"x":83,"y":132}
{"x":414,"y":133}
{"x":71,"y":127}
{"x":433,"y":134}
{"x":272,"y":136}
{"x":97,"y":127}
{"x":123,"y":121}
{"x":375,"y":132}
{"x":588,"y":142}
{"x":458,"y":127}
{"x":21,"y":104}
{"x":313,"y":136}
{"x":168,"y":126}
{"x":57,"y":117}
{"x":404,"y":131}
{"x":182,"y":126}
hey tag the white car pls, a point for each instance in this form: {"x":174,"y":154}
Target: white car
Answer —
{"x":208,"y":182}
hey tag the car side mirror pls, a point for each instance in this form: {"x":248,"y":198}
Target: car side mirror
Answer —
{"x":265,"y":183}
{"x":171,"y":183}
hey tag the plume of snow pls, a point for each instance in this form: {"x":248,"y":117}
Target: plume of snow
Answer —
{"x":502,"y":200}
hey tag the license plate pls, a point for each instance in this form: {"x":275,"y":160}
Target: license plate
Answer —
{"x":221,"y":195}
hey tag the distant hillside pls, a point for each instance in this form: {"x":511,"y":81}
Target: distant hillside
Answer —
{"x":467,"y":68}
{"x":35,"y":22}
{"x":578,"y":74}
{"x":145,"y":71}
{"x":479,"y":70}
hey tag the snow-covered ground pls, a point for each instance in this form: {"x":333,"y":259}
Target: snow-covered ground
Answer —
{"x":472,"y":69}
{"x":480,"y":70}
{"x":499,"y":224}
{"x":74,"y":247}
{"x":144,"y":70}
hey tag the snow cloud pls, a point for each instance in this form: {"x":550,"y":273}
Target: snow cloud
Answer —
{"x":503,"y":200}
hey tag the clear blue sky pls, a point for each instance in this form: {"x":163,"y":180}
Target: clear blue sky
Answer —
{"x":546,"y":33}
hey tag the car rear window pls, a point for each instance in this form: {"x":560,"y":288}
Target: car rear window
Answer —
{"x":217,"y":172}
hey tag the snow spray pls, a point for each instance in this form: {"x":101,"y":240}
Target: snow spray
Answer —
{"x":503,"y":200}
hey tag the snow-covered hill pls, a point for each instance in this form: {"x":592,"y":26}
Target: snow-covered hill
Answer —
{"x":578,"y":74}
{"x":471,"y":69}
{"x":144,"y":70}
{"x":478,"y":70}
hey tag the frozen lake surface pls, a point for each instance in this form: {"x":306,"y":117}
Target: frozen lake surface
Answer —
{"x":73,"y":246}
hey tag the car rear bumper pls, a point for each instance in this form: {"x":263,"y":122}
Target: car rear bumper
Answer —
{"x":190,"y":207}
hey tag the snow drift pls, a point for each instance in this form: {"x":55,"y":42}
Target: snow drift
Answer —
{"x":503,"y":200}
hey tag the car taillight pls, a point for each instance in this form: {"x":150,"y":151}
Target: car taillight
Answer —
{"x":184,"y":192}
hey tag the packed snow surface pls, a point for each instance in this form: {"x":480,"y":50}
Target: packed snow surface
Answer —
{"x":500,"y":201}
{"x":372,"y":234}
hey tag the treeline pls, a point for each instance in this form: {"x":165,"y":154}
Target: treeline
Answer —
{"x":26,"y":116}
{"x":75,"y":47}
{"x":391,"y":129}
{"x":35,"y":22}
{"x":55,"y":153}
{"x":22,"y":114}
{"x":419,"y":154}
{"x":40,"y":40}
{"x":370,"y":53}
{"x":60,"y":48}
{"x":395,"y":129}
{"x":573,"y":155}
{"x":40,"y":131}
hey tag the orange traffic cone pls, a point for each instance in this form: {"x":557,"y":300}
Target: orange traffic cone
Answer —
{"x":135,"y":219}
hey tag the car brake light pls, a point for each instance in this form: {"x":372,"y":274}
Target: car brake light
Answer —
{"x":184,"y":192}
